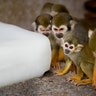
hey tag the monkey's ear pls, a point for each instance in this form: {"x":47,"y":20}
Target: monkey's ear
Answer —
{"x":90,"y":32}
{"x":34,"y":26}
{"x":79,"y":47}
{"x":72,"y":24}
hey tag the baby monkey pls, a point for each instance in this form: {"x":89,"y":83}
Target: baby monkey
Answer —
{"x":82,"y":57}
{"x":42,"y":24}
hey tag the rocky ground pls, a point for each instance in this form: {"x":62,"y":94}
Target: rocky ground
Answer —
{"x":22,"y":13}
{"x":48,"y":85}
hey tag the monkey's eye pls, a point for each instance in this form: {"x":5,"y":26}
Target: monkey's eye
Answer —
{"x":71,"y":47}
{"x":66,"y":44}
{"x":61,"y":29}
{"x":55,"y":29}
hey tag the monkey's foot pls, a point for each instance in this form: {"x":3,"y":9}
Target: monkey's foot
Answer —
{"x":94,"y":84}
{"x":83,"y":82}
{"x":74,"y":78}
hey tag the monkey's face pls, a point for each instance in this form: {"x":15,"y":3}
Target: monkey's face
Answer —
{"x":44,"y":30}
{"x":68,"y":48}
{"x":71,"y":48}
{"x":59,"y":31}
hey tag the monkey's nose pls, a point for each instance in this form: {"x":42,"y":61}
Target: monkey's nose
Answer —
{"x":46,"y":34}
{"x":59,"y":35}
{"x":67,"y":51}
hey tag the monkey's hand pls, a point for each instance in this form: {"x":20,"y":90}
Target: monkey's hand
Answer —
{"x":66,"y":68}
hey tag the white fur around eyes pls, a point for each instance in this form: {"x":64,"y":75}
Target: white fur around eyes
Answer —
{"x":58,"y":29}
{"x":43,"y":28}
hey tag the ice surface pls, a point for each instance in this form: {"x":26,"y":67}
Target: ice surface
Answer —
{"x":23,"y":54}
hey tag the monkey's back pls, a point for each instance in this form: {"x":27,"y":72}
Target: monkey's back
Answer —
{"x":92,"y":41}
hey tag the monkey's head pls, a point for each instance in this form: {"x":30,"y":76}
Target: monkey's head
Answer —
{"x":71,"y":45}
{"x":42,"y":24}
{"x":61,"y":23}
{"x":58,"y":8}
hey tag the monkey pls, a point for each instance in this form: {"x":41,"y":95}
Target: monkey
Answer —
{"x":61,"y":24}
{"x":82,"y":56}
{"x":64,"y":23}
{"x":92,"y":45}
{"x":42,"y":24}
{"x":57,"y":52}
{"x":53,"y":9}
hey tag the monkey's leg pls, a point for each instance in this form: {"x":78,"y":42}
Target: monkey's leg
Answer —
{"x":87,"y":68}
{"x":66,"y":68}
{"x":78,"y":76}
{"x":94,"y":75}
{"x":61,"y":56}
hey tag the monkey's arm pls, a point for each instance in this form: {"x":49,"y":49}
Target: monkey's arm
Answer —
{"x":66,"y":68}
{"x":54,"y":60}
{"x":61,"y":56}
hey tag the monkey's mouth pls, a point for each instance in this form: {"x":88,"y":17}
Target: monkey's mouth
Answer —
{"x":66,"y":51}
{"x":59,"y":35}
{"x":46,"y":34}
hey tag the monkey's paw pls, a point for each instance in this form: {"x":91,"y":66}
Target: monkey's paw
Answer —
{"x":84,"y":82}
{"x":74,"y":78}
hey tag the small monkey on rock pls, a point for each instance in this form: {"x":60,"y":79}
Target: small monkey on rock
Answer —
{"x":82,"y":57}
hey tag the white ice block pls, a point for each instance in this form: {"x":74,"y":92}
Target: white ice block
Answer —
{"x":23,"y":54}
